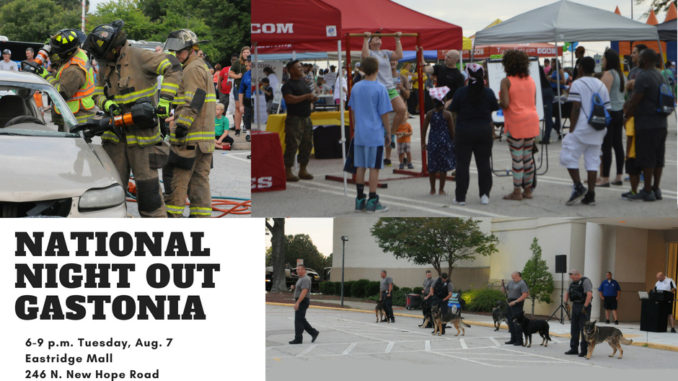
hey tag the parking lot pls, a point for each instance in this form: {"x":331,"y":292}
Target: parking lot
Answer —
{"x":352,"y":345}
{"x":409,"y":196}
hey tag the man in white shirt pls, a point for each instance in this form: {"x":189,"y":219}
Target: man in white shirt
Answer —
{"x":6,"y":63}
{"x":583,"y":139}
{"x":665,"y":283}
{"x":343,"y":87}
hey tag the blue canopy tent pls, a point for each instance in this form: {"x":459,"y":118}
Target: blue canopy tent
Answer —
{"x":411,"y":55}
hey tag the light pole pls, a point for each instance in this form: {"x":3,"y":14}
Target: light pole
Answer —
{"x":344,"y":239}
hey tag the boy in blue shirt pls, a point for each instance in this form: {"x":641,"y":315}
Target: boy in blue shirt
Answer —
{"x":609,"y":294}
{"x":370,"y":104}
{"x":245,"y":98}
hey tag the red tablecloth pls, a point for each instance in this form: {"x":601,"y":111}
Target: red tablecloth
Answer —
{"x":268,"y":169}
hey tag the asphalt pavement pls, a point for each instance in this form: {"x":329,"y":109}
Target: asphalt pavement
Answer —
{"x":352,"y":345}
{"x":409,"y":196}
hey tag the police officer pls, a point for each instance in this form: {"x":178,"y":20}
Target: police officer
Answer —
{"x":302,"y":290}
{"x":386,"y":292}
{"x":440,"y":293}
{"x":516,"y":293}
{"x":127,"y":76}
{"x":74,"y":79}
{"x":580,"y":293}
{"x":426,"y":303}
{"x":192,"y":133}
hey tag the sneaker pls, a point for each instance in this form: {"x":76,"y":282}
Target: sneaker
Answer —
{"x":607,"y":322}
{"x":387,"y":162}
{"x":295,"y":342}
{"x":572,"y":352}
{"x":657,"y":193}
{"x":630,"y":196}
{"x":360,"y":204}
{"x":410,"y":166}
{"x":589,"y":199}
{"x":484,"y":199}
{"x":616,"y":322}
{"x":237,"y":132}
{"x":401,"y":166}
{"x":392,"y":144}
{"x":248,"y":138}
{"x":315,"y":336}
{"x":374,"y":206}
{"x":647,"y":196}
{"x":460,"y":203}
{"x":577,"y":193}
{"x":673,"y":330}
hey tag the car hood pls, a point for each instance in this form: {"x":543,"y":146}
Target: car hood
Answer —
{"x":35,"y":168}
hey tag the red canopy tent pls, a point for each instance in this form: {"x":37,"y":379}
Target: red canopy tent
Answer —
{"x":295,"y":25}
{"x":382,"y":16}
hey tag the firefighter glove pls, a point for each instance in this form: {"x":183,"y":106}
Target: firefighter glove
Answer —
{"x":163,"y":108}
{"x":181,"y":131}
{"x":112,"y":108}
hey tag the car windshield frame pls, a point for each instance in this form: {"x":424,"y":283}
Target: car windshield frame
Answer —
{"x":68,"y":118}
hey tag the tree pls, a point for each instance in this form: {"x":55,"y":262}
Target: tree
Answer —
{"x":433,"y":241}
{"x":35,"y":20}
{"x":300,"y":246}
{"x":658,"y":5}
{"x":537,"y":276}
{"x":277,"y":230}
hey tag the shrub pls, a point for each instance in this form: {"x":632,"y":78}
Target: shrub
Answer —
{"x":482,"y":300}
{"x":372,"y":289}
{"x":399,"y":298}
{"x":406,"y":290}
{"x":337,"y":288}
{"x":359,"y":288}
{"x":348,"y":287}
{"x":326,"y":288}
{"x":417,"y":290}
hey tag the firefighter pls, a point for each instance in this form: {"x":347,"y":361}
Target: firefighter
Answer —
{"x":128,"y":76}
{"x":191,"y":131}
{"x":74,"y":79}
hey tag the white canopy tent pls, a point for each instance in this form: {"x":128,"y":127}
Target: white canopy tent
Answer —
{"x":565,"y":21}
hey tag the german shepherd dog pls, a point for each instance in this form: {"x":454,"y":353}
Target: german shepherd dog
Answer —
{"x":440,"y":319}
{"x":596,"y":335}
{"x":380,"y":312}
{"x":499,"y":313}
{"x":530,"y":326}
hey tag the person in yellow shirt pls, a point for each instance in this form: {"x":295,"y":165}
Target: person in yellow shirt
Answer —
{"x":413,"y":77}
{"x":631,"y":168}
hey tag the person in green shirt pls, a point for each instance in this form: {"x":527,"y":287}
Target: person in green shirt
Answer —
{"x":221,"y":138}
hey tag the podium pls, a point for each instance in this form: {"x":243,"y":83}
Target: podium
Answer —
{"x":654,"y":312}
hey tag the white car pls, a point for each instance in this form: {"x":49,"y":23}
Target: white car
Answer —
{"x":47,"y":170}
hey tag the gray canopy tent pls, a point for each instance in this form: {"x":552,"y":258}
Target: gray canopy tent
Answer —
{"x":565,"y":21}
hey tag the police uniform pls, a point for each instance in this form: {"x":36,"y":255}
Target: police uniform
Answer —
{"x":441,"y":289}
{"x":426,"y":304}
{"x":515,"y":290}
{"x":131,"y":78}
{"x":300,"y":322}
{"x":580,"y":314}
{"x":191,"y":156}
{"x":387,"y":299}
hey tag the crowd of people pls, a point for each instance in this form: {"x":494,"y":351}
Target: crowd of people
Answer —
{"x":458,"y":121}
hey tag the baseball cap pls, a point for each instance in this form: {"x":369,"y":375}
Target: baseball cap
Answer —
{"x":6,"y":51}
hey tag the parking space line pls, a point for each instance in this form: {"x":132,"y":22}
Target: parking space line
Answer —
{"x":494,"y":341}
{"x":349,"y":349}
{"x":427,"y":345}
{"x":465,"y":359}
{"x":307,"y":350}
{"x":389,"y":347}
{"x":543,"y":356}
{"x":462,"y":342}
